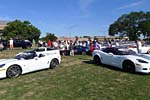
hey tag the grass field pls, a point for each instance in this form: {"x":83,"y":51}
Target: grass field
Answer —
{"x":76,"y":78}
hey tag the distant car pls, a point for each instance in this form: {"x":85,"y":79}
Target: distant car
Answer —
{"x":147,"y":43}
{"x":81,"y":50}
{"x":26,"y":62}
{"x":21,"y":43}
{"x":144,"y":49}
{"x":125,"y":59}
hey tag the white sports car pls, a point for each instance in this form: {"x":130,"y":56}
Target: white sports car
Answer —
{"x":26,"y":62}
{"x":123,"y":58}
{"x":144,"y":49}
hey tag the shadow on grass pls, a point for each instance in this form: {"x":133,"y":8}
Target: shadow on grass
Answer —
{"x":112,"y":67}
{"x":102,"y":65}
{"x":88,"y":61}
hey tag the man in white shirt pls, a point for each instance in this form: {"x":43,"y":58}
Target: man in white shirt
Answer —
{"x":11,"y":43}
{"x":139,"y":46}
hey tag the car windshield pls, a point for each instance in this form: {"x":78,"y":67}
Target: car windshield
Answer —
{"x":117,"y":51}
{"x":26,"y":55}
{"x":126,"y":52}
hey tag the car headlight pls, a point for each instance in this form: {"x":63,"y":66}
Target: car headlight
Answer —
{"x":2,"y":65}
{"x":141,"y":61}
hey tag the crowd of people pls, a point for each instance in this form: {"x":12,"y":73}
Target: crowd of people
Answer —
{"x":67,"y":47}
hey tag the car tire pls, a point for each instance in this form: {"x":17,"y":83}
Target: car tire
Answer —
{"x":148,"y":51}
{"x":13,"y":71}
{"x":54,"y":63}
{"x":128,"y":66}
{"x":97,"y":60}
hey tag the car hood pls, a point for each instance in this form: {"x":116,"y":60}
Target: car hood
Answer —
{"x":4,"y":61}
{"x":146,"y":56}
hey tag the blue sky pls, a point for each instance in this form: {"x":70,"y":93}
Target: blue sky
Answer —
{"x":70,"y":17}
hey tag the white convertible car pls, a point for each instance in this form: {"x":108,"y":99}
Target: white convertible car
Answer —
{"x":28,"y":61}
{"x":144,"y":49}
{"x":123,"y":58}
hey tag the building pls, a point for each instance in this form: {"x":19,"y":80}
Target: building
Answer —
{"x":98,"y":38}
{"x":105,"y":38}
{"x":3,"y":24}
{"x":71,"y":39}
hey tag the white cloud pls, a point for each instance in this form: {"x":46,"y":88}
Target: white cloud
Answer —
{"x":131,"y":5}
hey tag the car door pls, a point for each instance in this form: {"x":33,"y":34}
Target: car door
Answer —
{"x":43,"y":61}
{"x":30,"y":65}
{"x":116,"y":60}
{"x":106,"y":58}
{"x":34,"y":64}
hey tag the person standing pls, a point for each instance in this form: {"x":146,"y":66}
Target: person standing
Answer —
{"x":71,"y":49}
{"x":11,"y":44}
{"x":1,"y":46}
{"x":109,"y":44}
{"x":139,"y":46}
{"x":117,"y":43}
{"x":49,"y":43}
{"x":33,"y":43}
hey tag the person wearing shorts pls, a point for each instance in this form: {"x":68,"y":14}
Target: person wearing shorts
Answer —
{"x":11,"y":44}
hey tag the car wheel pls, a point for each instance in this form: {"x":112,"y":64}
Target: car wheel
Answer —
{"x":54,"y":63}
{"x":148,"y":51}
{"x":129,"y":66}
{"x":13,"y":71}
{"x":97,"y":60}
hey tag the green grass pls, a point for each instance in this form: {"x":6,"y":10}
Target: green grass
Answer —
{"x":76,"y":78}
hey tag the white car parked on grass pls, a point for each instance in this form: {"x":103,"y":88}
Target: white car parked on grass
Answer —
{"x":26,"y":62}
{"x":124,"y":59}
{"x":144,"y":49}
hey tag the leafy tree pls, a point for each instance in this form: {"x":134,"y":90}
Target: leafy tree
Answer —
{"x":21,"y":30}
{"x":132,"y":25}
{"x":95,"y":38}
{"x":144,"y":26}
{"x":76,"y":38}
{"x":50,"y":36}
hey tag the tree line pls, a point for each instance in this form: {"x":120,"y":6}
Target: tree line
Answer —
{"x":132,"y":25}
{"x":21,"y":30}
{"x":24,"y":30}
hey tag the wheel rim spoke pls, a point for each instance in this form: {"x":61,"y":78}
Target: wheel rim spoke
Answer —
{"x":13,"y":71}
{"x":54,"y":63}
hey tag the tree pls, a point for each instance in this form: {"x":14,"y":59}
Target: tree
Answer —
{"x":21,"y":30}
{"x":95,"y":38}
{"x":50,"y":36}
{"x":132,"y":25}
{"x":144,"y":26}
